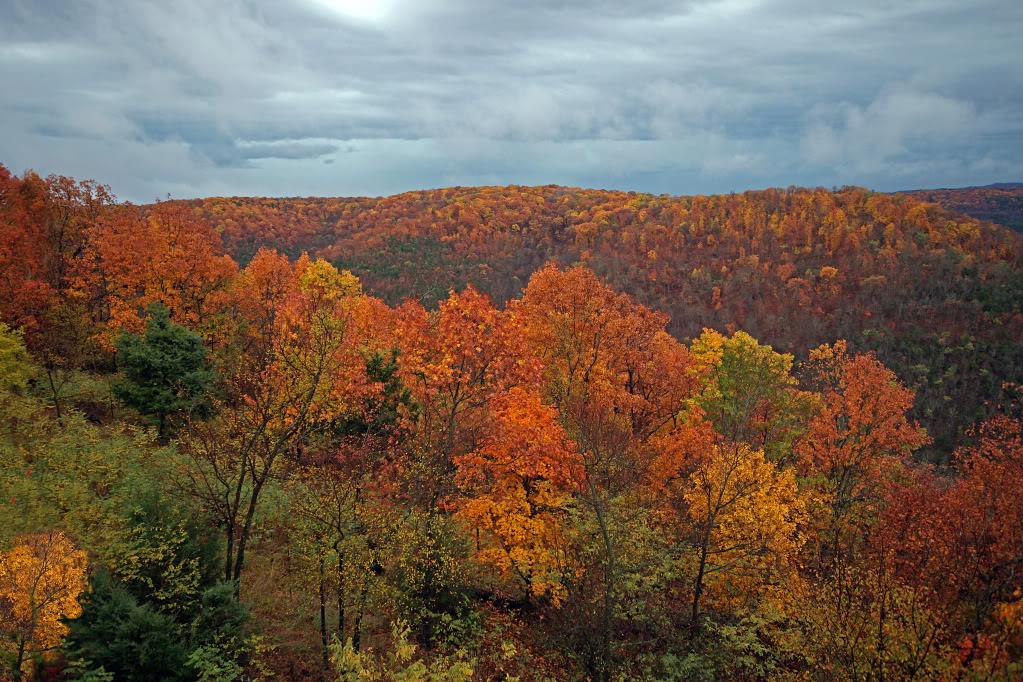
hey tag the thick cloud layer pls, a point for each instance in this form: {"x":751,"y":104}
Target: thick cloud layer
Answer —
{"x":353,"y":97}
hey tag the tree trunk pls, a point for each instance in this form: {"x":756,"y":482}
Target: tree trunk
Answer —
{"x":53,"y":391}
{"x":340,"y":591}
{"x":19,"y":660}
{"x":694,"y":618}
{"x":323,"y":614}
{"x":605,"y":661}
{"x":229,"y":558}
{"x":357,"y":625}
{"x":246,"y":530}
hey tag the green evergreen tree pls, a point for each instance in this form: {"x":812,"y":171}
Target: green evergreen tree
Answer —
{"x":165,"y":370}
{"x":131,"y":640}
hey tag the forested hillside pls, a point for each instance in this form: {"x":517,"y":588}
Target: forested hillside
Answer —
{"x":937,"y":295}
{"x":224,"y":458}
{"x":1000,"y":203}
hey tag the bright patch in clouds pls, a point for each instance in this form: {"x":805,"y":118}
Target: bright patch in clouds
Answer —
{"x":343,"y":97}
{"x":360,"y":10}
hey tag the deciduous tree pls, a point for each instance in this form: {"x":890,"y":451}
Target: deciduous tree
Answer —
{"x":749,"y":393}
{"x":746,"y":516}
{"x":137,"y":256}
{"x":515,"y":487}
{"x":859,"y":437}
{"x":41,"y":578}
{"x":295,"y":366}
{"x":617,"y":380}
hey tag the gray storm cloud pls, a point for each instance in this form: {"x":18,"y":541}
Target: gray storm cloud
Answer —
{"x":344,"y":97}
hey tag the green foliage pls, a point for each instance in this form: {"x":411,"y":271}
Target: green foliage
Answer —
{"x":738,"y":650}
{"x":132,"y":641}
{"x":135,"y":640}
{"x":15,"y":365}
{"x":220,"y":614}
{"x":78,"y":670}
{"x":426,"y":266}
{"x":750,"y":395}
{"x":165,"y":370}
{"x":210,"y":665}
{"x":400,"y":665}
{"x":957,"y":379}
{"x":164,"y":555}
{"x":71,"y":474}
{"x":428,"y":576}
{"x":154,"y":594}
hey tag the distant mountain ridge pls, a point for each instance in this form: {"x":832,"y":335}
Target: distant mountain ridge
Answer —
{"x":1000,"y":202}
{"x":993,"y":185}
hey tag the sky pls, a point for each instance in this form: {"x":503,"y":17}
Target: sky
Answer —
{"x":194,"y":98}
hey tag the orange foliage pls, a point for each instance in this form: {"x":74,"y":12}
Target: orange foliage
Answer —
{"x":456,"y":360}
{"x":861,"y":429}
{"x":605,"y":356}
{"x":962,"y":539}
{"x":516,"y":485}
{"x":43,"y":226}
{"x":136,"y":257}
{"x":569,"y":434}
{"x":1000,"y":203}
{"x":290,"y":362}
{"x":794,"y":267}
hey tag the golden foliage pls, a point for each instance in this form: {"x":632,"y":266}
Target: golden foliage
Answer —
{"x":41,"y":578}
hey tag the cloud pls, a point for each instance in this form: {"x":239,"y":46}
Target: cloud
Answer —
{"x":897,"y":125}
{"x":256,"y":96}
{"x":286,"y":149}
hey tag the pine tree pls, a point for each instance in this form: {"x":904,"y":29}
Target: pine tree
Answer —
{"x":165,"y":370}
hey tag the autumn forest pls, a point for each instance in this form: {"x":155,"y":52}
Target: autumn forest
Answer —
{"x":510,"y":433}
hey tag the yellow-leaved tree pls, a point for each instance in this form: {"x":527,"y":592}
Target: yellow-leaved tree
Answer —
{"x":746,"y":514}
{"x":41,"y":578}
{"x":749,"y":393}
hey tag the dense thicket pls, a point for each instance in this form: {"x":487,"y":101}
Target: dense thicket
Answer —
{"x":556,"y":488}
{"x":937,"y":295}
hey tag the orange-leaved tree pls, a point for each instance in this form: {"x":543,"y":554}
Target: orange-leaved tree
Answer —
{"x":290,"y":362}
{"x":515,"y":487}
{"x":43,"y":225}
{"x":960,"y":540}
{"x":858,"y":439}
{"x":617,"y":380}
{"x":43,"y":230}
{"x":456,"y":361}
{"x":137,"y":256}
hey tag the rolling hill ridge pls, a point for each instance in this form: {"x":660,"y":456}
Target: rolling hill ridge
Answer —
{"x":935,"y":293}
{"x":1001,"y":202}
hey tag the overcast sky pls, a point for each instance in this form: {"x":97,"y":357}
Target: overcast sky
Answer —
{"x":352,"y":97}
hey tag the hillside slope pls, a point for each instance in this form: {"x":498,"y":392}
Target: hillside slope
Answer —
{"x":1000,"y":203}
{"x":936,"y":294}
